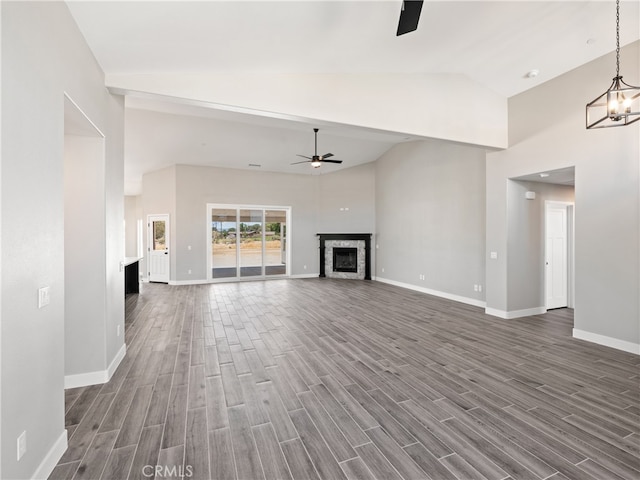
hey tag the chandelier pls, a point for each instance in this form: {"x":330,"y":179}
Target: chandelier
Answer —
{"x":620,"y":104}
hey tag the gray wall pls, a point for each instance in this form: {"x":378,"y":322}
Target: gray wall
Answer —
{"x":430,"y":216}
{"x":547,"y":132}
{"x":43,"y":56}
{"x":526,"y":241}
{"x":132,"y":213}
{"x":347,"y":200}
{"x":315,"y":200}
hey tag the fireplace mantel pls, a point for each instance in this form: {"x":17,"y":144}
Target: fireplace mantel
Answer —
{"x":347,"y":236}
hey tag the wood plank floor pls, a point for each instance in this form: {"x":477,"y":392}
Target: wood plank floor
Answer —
{"x":340,"y":379}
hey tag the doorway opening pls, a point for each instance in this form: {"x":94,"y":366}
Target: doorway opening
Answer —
{"x":247,"y":242}
{"x":85,"y":267}
{"x":541,"y":241}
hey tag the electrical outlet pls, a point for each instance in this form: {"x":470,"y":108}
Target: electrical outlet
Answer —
{"x":305,"y":267}
{"x":189,"y":272}
{"x":383,"y":270}
{"x":475,"y":288}
{"x":43,"y":297}
{"x":479,"y":288}
{"x":493,"y":255}
{"x":22,"y":444}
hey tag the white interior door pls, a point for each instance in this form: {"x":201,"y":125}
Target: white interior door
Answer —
{"x":556,"y":255}
{"x":158,"y":258}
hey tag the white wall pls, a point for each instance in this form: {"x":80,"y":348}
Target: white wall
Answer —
{"x":547,"y":132}
{"x":430,"y":217}
{"x":84,"y":247}
{"x":160,"y":198}
{"x":315,"y":200}
{"x":424,"y":105}
{"x":132,"y":213}
{"x":43,"y":56}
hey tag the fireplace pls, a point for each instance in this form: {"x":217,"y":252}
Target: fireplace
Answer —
{"x":345,"y":259}
{"x":345,"y":255}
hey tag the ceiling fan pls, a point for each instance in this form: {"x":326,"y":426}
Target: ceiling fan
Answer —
{"x":409,"y":16}
{"x":317,"y":160}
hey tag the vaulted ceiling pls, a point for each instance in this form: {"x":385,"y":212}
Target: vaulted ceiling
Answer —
{"x":494,"y":44}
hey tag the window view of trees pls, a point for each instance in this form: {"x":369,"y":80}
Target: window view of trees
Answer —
{"x":159,"y":242}
{"x":225,"y":232}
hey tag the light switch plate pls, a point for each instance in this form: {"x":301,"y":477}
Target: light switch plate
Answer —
{"x":43,"y":297}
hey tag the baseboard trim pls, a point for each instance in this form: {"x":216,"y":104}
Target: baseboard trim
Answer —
{"x":189,"y":282}
{"x":616,"y":343}
{"x":97,"y":377}
{"x":305,"y":275}
{"x":85,"y":379}
{"x":436,"y":293}
{"x":511,"y":314}
{"x":52,"y":457}
{"x":113,"y":366}
{"x":245,"y":279}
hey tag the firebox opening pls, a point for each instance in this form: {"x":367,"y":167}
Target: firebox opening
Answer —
{"x":345,"y":259}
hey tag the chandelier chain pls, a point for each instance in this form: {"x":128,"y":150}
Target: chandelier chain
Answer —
{"x":617,"y":38}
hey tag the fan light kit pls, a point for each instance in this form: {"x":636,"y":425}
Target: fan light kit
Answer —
{"x":317,"y":160}
{"x":620,"y":104}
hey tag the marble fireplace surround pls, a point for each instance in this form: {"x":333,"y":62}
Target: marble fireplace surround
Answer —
{"x":361,"y":241}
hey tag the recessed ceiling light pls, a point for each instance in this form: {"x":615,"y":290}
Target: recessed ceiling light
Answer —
{"x":544,"y":175}
{"x":591,"y":41}
{"x":532,"y":73}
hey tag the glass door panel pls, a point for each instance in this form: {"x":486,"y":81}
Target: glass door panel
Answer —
{"x":224,"y":256}
{"x":251,"y":243}
{"x":275,"y":259}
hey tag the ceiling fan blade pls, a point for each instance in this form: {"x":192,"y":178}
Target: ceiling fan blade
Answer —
{"x":331,"y":161}
{"x":409,"y":16}
{"x":327,"y":155}
{"x":304,"y":161}
{"x":304,"y":156}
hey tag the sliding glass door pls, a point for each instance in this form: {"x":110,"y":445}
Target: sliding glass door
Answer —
{"x":224,"y":258}
{"x":251,"y":243}
{"x":275,"y":245}
{"x":247,"y":241}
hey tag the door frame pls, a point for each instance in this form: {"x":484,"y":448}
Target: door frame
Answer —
{"x":570,"y":215}
{"x":237,"y":208}
{"x":167,"y":235}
